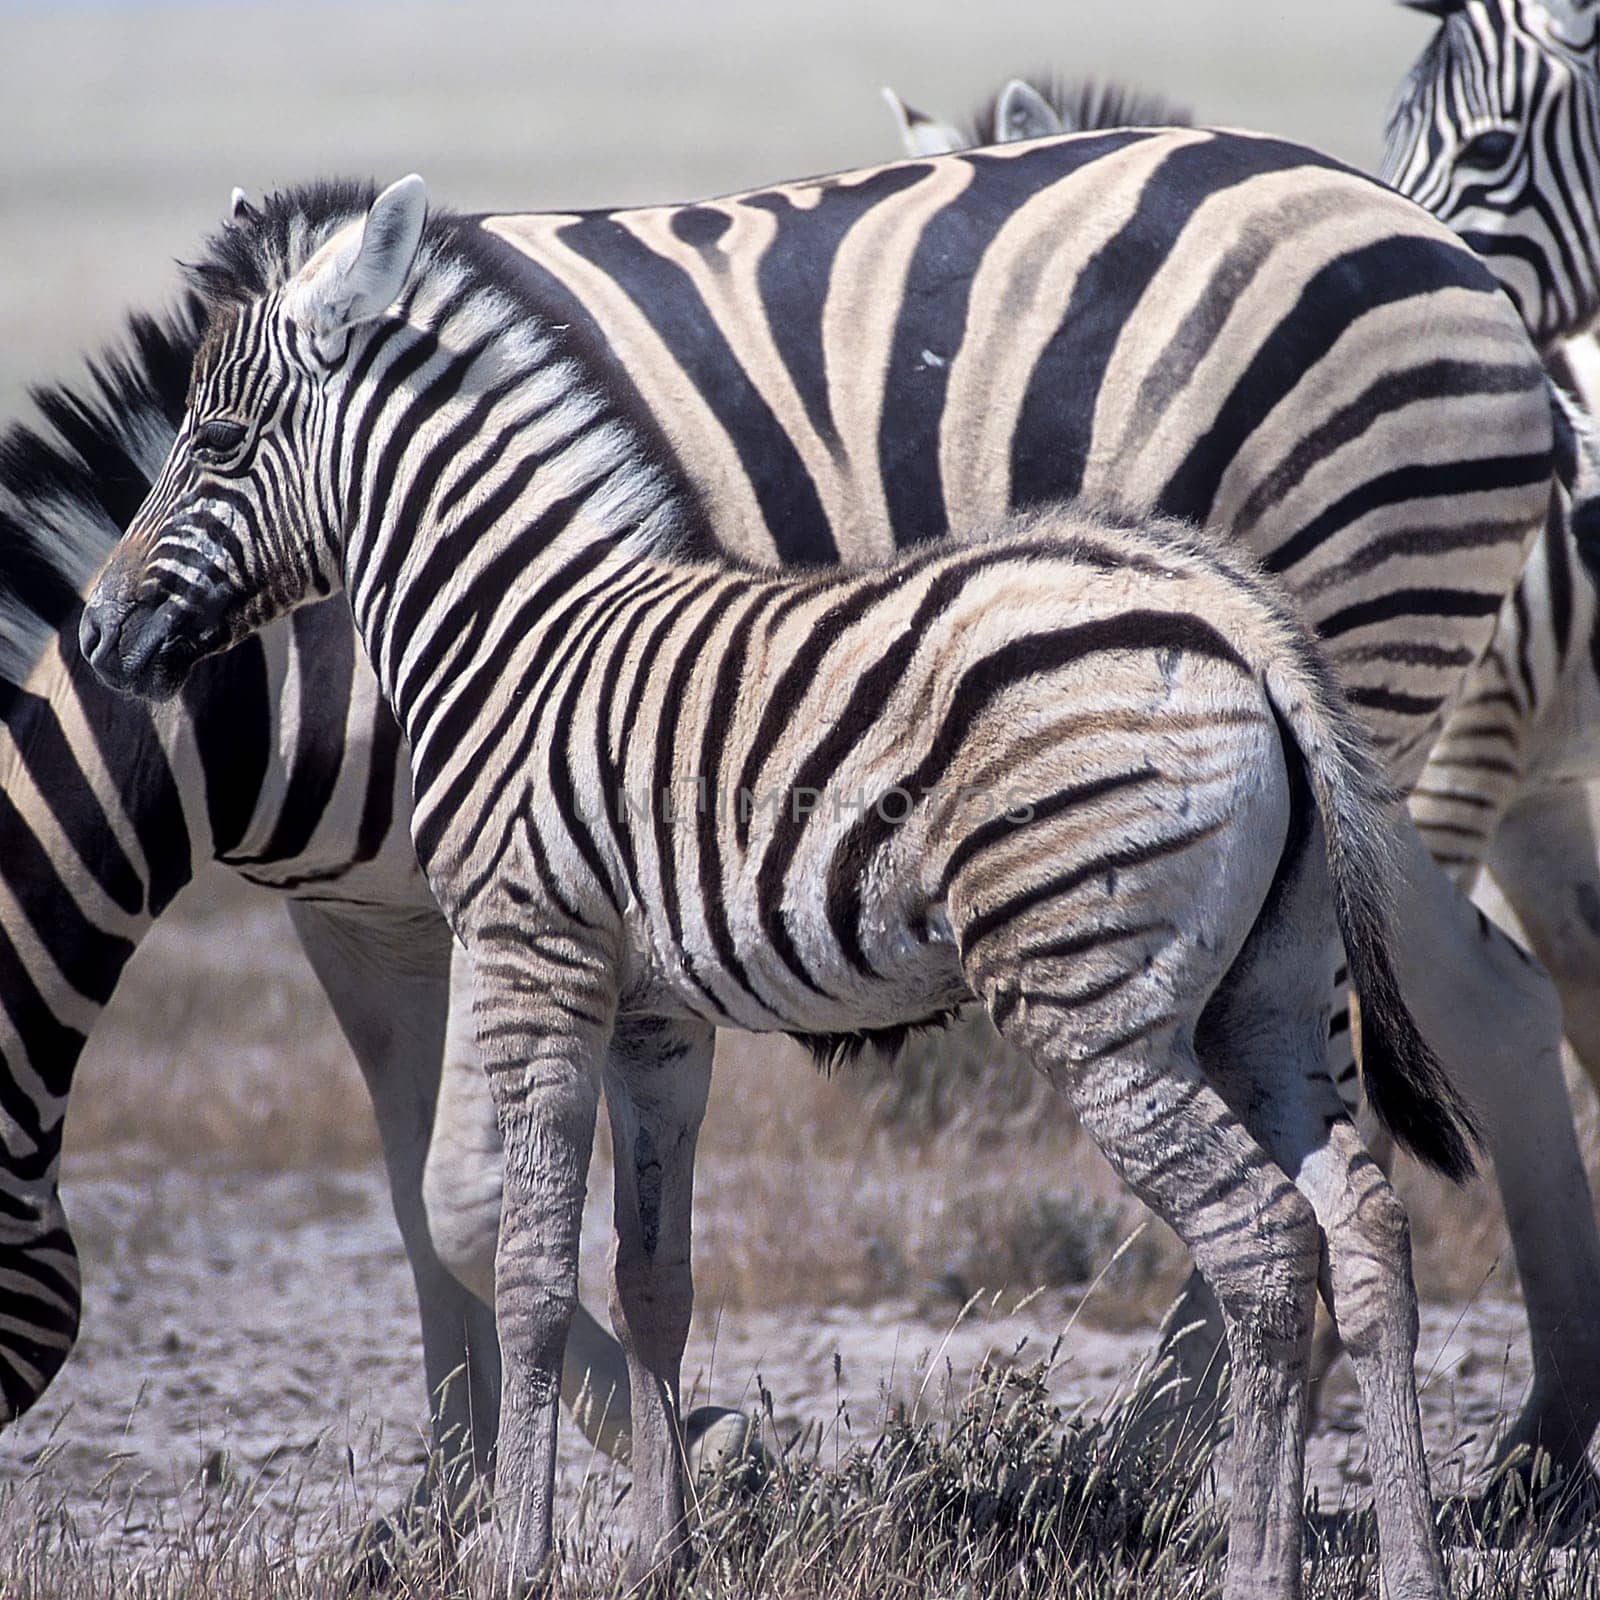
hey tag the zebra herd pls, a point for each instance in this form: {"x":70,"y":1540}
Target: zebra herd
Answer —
{"x":558,"y":462}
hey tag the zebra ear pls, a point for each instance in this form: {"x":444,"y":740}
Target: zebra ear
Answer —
{"x":1021,"y":112}
{"x":353,"y":284}
{"x":1436,"y":8}
{"x":920,"y":134}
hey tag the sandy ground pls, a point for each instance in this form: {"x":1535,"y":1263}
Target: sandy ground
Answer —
{"x":259,"y":1332}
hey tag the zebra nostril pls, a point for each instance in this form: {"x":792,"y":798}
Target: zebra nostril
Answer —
{"x":92,"y":637}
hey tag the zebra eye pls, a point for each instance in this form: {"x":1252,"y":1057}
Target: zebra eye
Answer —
{"x":1488,"y":152}
{"x":219,"y":437}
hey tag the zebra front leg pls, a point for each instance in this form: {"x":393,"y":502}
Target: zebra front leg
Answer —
{"x":386,"y":981}
{"x":1493,"y":1017}
{"x":658,"y":1075}
{"x":543,"y":1027}
{"x":461,"y":1189}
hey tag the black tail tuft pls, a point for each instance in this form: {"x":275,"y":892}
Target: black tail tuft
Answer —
{"x":1405,"y":1083}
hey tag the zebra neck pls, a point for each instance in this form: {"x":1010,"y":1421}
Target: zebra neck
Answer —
{"x":478,"y":529}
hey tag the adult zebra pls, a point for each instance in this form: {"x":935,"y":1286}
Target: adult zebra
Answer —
{"x":1220,"y":324}
{"x":283,"y":764}
{"x":1497,"y":130}
{"x":1513,"y":781}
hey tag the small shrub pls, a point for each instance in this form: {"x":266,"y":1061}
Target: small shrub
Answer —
{"x":1004,"y":1497}
{"x":963,"y":1076}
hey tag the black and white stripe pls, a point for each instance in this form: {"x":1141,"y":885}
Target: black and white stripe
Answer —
{"x":1496,"y":130}
{"x":698,"y":795}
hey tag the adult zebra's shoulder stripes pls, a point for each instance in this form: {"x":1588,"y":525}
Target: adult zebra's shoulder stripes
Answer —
{"x":1090,"y":772}
{"x":281,"y":762}
{"x":1215,"y":324}
{"x":1496,"y":130}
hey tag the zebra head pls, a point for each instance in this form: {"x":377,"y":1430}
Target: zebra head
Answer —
{"x":1496,"y":130}
{"x":241,"y":526}
{"x":1035,"y":108}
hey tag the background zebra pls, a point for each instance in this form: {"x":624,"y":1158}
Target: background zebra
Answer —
{"x":1497,"y":129}
{"x":606,"y":428}
{"x":1058,"y":772}
{"x":1508,"y":782}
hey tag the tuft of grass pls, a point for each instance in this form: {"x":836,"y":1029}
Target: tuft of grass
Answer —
{"x":1004,"y":1495}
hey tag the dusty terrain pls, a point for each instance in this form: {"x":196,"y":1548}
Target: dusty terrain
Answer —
{"x":261,"y":1328}
{"x":250,"y":1328}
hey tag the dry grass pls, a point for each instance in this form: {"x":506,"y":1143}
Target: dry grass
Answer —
{"x":989,"y":1491}
{"x":811,"y":1193}
{"x":272,"y":1086}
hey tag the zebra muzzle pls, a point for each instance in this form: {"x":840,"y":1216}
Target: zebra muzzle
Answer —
{"x":133,"y":646}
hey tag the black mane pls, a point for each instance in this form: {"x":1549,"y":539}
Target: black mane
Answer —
{"x":70,"y":486}
{"x":265,"y":245}
{"x":1086,"y":105}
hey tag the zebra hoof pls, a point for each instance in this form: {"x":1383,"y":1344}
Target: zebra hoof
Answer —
{"x":725,"y":1446}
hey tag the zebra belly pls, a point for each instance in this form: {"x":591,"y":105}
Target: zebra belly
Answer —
{"x":915,"y":976}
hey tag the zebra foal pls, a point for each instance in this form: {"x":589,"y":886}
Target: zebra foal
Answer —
{"x":1086,"y":771}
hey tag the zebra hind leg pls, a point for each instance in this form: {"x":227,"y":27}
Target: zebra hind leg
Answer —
{"x":1494,"y":1018}
{"x":657,"y":1077}
{"x":1182,"y":1411}
{"x":1174,"y":1141}
{"x":1262,"y":1040}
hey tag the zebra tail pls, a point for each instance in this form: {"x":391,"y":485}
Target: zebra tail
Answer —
{"x":1404,"y":1080}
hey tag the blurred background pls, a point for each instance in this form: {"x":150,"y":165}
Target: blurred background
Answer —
{"x":243,"y":1278}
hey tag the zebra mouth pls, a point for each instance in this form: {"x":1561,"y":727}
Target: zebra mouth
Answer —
{"x":135,"y":648}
